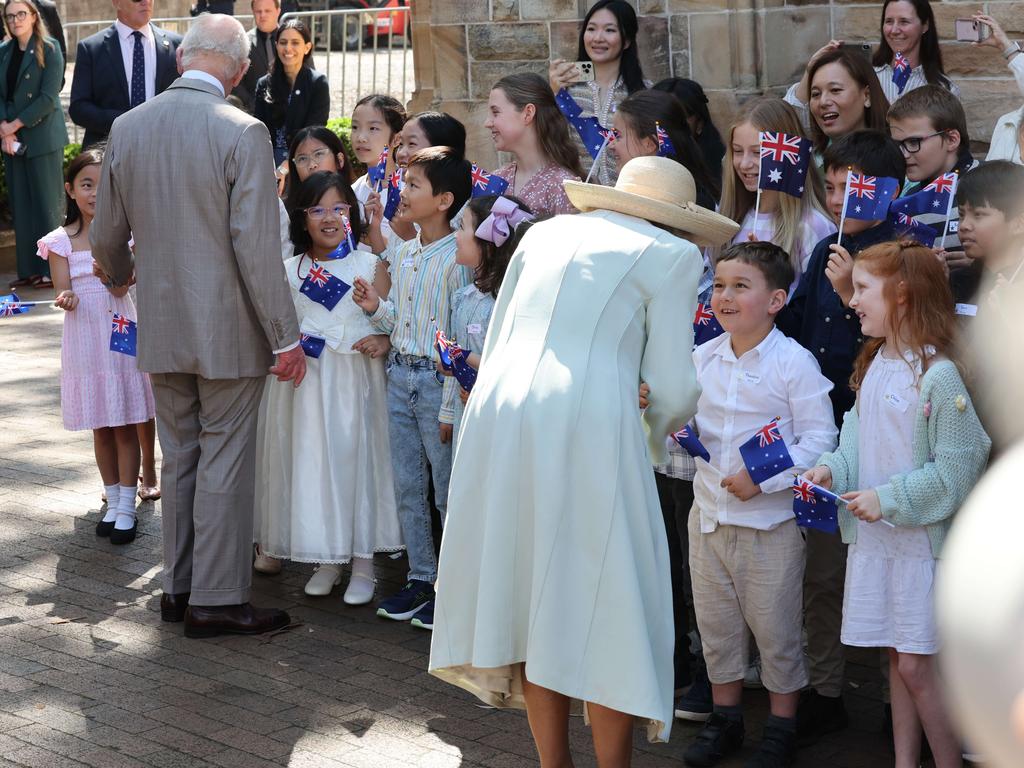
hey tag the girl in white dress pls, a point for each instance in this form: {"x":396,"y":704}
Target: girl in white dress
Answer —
{"x":914,"y":448}
{"x":325,"y":492}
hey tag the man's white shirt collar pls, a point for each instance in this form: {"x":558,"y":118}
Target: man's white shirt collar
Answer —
{"x":125,"y":32}
{"x":206,"y":77}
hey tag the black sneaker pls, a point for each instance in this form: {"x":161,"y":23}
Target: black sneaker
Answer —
{"x":818,"y":716}
{"x":778,"y":749}
{"x":719,"y":738}
{"x":695,"y":703}
{"x":408,"y":602}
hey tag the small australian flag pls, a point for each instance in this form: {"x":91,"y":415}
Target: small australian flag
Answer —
{"x":931,"y":198}
{"x":907,"y":227}
{"x":868,"y":197}
{"x":323,"y":287}
{"x":784,"y":163}
{"x":593,"y":134}
{"x":376,"y":173}
{"x":900,"y":71}
{"x":11,"y":305}
{"x":346,"y":246}
{"x":814,"y":506}
{"x":665,"y":146}
{"x":485,"y":183}
{"x":313,"y":346}
{"x":394,"y":195}
{"x":705,"y":325}
{"x":123,"y":335}
{"x":765,"y":454}
{"x":690,"y":443}
{"x":453,"y":359}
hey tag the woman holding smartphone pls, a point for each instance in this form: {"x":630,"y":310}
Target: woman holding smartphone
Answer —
{"x":1007,"y":142}
{"x":608,"y":40}
{"x":907,"y":28}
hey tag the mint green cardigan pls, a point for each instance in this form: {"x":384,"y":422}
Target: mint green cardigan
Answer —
{"x":950,"y":453}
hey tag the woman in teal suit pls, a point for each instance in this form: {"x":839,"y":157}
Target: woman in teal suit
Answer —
{"x":32,"y":134}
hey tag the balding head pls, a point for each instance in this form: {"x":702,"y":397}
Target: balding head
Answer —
{"x":216,"y":44}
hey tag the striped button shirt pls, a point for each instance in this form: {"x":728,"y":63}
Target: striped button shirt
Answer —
{"x":423,"y":281}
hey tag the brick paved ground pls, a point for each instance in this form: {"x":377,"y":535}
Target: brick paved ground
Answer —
{"x":90,"y":676}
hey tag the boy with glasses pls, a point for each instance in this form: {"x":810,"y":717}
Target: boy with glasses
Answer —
{"x":929,"y":126}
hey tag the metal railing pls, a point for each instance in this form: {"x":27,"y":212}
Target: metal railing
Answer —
{"x":359,"y":39}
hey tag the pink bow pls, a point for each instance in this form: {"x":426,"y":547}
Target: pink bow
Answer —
{"x":504,"y":217}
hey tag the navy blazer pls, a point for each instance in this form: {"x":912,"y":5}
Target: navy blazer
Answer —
{"x":310,"y":103}
{"x":99,"y":89}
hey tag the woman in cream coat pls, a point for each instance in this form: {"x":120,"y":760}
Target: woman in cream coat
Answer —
{"x":554,"y":555}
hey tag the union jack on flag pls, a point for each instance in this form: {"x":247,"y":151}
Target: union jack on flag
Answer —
{"x":784,"y":163}
{"x":935,"y":197}
{"x":765,"y":454}
{"x":945,"y":183}
{"x":804,"y":491}
{"x":900,"y":71}
{"x":394,"y":195}
{"x":781,"y":147}
{"x":808,"y":512}
{"x":318,"y":275}
{"x":868,"y":197}
{"x":705,"y":325}
{"x":485,"y":183}
{"x":323,"y":287}
{"x":377,"y":173}
{"x":123,"y":335}
{"x":665,"y":146}
{"x":769,"y":433}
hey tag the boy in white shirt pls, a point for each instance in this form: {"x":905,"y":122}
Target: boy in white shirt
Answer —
{"x":746,"y":553}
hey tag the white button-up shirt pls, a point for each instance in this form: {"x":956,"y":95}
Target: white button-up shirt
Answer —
{"x":739,"y":396}
{"x":127,"y":39}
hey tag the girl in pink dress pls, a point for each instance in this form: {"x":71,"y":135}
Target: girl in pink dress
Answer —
{"x":525,"y":121}
{"x":100,"y":389}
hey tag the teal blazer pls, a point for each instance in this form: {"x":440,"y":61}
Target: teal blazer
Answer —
{"x":36,"y":97}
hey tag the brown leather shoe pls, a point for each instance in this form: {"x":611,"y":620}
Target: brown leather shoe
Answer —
{"x":244,"y":619}
{"x":172,"y":607}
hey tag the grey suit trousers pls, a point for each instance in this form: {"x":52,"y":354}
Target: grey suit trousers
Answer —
{"x":207,"y":431}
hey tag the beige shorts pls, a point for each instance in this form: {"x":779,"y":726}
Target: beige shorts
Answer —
{"x":743,"y":577}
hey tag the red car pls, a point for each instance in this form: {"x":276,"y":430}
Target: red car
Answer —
{"x":347,"y":31}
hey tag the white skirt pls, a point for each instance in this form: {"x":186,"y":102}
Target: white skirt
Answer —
{"x":324,"y":491}
{"x":889,"y":601}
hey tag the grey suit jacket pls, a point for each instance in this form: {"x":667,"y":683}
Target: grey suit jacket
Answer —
{"x":192,"y":179}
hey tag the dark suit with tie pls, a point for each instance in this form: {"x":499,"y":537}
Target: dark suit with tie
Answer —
{"x":100,"y":90}
{"x":308,"y":104}
{"x":260,"y":58}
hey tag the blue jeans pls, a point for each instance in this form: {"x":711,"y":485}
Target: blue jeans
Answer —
{"x":414,"y":400}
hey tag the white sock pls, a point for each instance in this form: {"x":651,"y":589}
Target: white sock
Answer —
{"x":362,"y":566}
{"x":113,"y":494}
{"x":125,"y":508}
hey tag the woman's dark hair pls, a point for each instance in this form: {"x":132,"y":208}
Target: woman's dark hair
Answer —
{"x":494,"y":258}
{"x":279,"y":87}
{"x":390,"y":107}
{"x":645,"y":111}
{"x":443,"y":130}
{"x":630,"y":71}
{"x":309,"y":194}
{"x":930,"y":53}
{"x":326,"y":137}
{"x":695,"y":103}
{"x":863,"y":74}
{"x":87,"y":157}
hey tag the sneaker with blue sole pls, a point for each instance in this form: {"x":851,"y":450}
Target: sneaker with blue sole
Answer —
{"x":409,"y":601}
{"x":695,"y":704}
{"x":424,"y":618}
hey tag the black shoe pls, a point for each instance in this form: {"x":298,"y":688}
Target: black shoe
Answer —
{"x":117,"y":536}
{"x":173,"y":607}
{"x":695,"y":703}
{"x":778,"y":749}
{"x":719,"y":738}
{"x":818,"y":716}
{"x":104,"y":529}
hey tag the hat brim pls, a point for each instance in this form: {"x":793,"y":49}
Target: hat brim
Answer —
{"x":701,"y":226}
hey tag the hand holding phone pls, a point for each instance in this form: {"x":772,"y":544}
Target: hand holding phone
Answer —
{"x":971,"y":30}
{"x":584,"y":71}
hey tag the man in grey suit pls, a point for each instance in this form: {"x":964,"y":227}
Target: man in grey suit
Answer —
{"x":214,"y":308}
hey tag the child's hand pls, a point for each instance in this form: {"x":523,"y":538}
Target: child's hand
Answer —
{"x":374,"y":346}
{"x":66,"y":300}
{"x":864,"y":505}
{"x":820,"y":475}
{"x":741,"y":486}
{"x":365,"y":295}
{"x":463,"y":395}
{"x":445,"y":433}
{"x":955,"y":259}
{"x":839,"y":272}
{"x":439,"y":367}
{"x":645,"y":391}
{"x":374,"y":210}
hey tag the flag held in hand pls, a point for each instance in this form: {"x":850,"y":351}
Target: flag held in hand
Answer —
{"x":690,"y":443}
{"x":394,"y":195}
{"x":592,"y":133}
{"x":123,"y":335}
{"x":453,"y":360}
{"x":10,"y":305}
{"x":765,"y":454}
{"x":784,"y":163}
{"x":323,"y":287}
{"x":377,"y":173}
{"x":868,"y":197}
{"x":814,"y":506}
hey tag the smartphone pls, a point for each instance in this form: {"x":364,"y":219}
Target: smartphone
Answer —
{"x":861,"y":49}
{"x":584,"y":71}
{"x":971,"y":31}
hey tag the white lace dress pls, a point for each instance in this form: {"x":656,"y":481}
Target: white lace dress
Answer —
{"x":889,"y":601}
{"x":324,"y":491}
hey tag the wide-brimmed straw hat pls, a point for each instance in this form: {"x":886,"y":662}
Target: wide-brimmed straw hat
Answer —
{"x":657,"y":189}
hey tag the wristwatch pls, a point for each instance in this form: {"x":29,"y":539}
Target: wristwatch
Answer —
{"x":1011,"y":50}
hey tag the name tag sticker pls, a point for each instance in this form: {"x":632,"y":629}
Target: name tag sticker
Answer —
{"x":897,"y":402}
{"x":473,"y":328}
{"x":954,"y":226}
{"x":407,"y":262}
{"x":967,"y":309}
{"x":750,"y":378}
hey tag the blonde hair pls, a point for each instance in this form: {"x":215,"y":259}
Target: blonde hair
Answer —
{"x":772,"y":114}
{"x":39,"y":30}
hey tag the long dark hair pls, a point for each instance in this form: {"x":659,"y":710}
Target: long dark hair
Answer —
{"x":630,"y":71}
{"x":494,"y":258}
{"x":325,"y":136}
{"x":695,"y":103}
{"x":87,"y":157}
{"x":864,"y":75}
{"x":309,"y":193}
{"x":279,"y":88}
{"x":645,"y":111}
{"x":930,"y":54}
{"x":442,"y":130}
